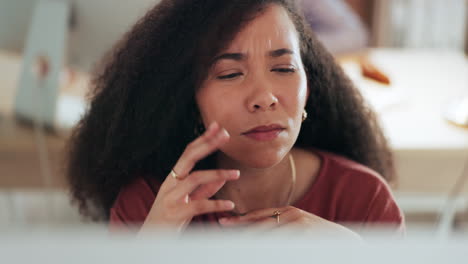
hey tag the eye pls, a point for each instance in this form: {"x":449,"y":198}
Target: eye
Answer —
{"x":229,"y":76}
{"x":284,"y":70}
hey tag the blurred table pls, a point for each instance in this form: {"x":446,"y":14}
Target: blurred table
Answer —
{"x":430,"y":152}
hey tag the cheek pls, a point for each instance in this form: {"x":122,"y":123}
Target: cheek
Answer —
{"x":207,"y":108}
{"x":295,"y":97}
{"x":302,"y":88}
{"x":214,"y":106}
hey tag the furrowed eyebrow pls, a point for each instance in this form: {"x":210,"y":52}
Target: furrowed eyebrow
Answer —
{"x":230,"y":56}
{"x":242,"y":56}
{"x":280,"y":52}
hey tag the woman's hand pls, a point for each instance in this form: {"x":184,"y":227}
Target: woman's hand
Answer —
{"x":289,"y":218}
{"x":179,"y":200}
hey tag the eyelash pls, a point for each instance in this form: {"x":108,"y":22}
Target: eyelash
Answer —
{"x":229,"y":76}
{"x":233,"y":75}
{"x":284,"y":70}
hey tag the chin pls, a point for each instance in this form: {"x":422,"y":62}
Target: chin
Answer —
{"x":262,"y":163}
{"x":259,"y":158}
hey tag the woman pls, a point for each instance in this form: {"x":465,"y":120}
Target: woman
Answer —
{"x":288,"y":140}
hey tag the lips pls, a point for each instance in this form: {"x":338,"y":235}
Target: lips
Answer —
{"x":264,"y":133}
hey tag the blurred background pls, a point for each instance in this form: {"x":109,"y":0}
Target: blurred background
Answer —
{"x":408,"y":58}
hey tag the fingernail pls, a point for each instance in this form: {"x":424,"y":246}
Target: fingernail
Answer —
{"x":223,"y":133}
{"x":223,"y":220}
{"x":234,"y":173}
{"x":229,"y":204}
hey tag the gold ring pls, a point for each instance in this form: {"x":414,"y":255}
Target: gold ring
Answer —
{"x":277,"y":215}
{"x":174,"y":174}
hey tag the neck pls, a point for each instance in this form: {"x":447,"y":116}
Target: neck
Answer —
{"x":256,"y":188}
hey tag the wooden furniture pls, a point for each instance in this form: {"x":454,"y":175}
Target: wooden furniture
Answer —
{"x":19,"y":156}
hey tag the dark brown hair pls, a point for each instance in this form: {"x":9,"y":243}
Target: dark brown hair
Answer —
{"x":143,"y":111}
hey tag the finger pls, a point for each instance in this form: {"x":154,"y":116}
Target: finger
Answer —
{"x":263,"y":224}
{"x":273,"y":221}
{"x":199,"y":207}
{"x":211,"y":132}
{"x":199,"y":178}
{"x":213,"y":128}
{"x":199,"y":149}
{"x":206,"y":191}
{"x":255,"y":215}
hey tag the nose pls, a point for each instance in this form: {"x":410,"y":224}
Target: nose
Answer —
{"x":262,"y":99}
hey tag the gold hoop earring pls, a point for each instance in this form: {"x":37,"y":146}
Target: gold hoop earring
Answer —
{"x":304,"y":115}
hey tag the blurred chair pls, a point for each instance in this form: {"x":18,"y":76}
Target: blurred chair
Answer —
{"x":37,"y":93}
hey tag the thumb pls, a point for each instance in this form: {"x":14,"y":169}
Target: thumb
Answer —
{"x":207,"y":190}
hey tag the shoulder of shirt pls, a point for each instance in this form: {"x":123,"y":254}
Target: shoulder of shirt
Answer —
{"x":357,"y":187}
{"x":144,"y":181}
{"x":138,"y":194}
{"x":343,"y":171}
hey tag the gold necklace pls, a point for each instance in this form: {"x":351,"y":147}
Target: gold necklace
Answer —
{"x":291,"y":190}
{"x":293,"y":175}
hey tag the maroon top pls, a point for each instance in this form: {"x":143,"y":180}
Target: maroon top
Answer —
{"x":344,"y":192}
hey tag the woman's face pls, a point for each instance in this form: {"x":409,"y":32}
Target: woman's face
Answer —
{"x":256,"y":90}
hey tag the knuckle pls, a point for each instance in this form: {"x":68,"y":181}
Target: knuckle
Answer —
{"x":218,"y":204}
{"x":166,"y":202}
{"x":208,"y":140}
{"x":190,"y":145}
{"x":194,"y":178}
{"x":299,"y":221}
{"x":192,"y":157}
{"x":187,"y":149}
{"x":171,"y":211}
{"x":204,"y":137}
{"x":198,"y":208}
{"x":295,"y":213}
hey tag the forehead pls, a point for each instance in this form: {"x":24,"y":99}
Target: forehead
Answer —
{"x":272,"y":28}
